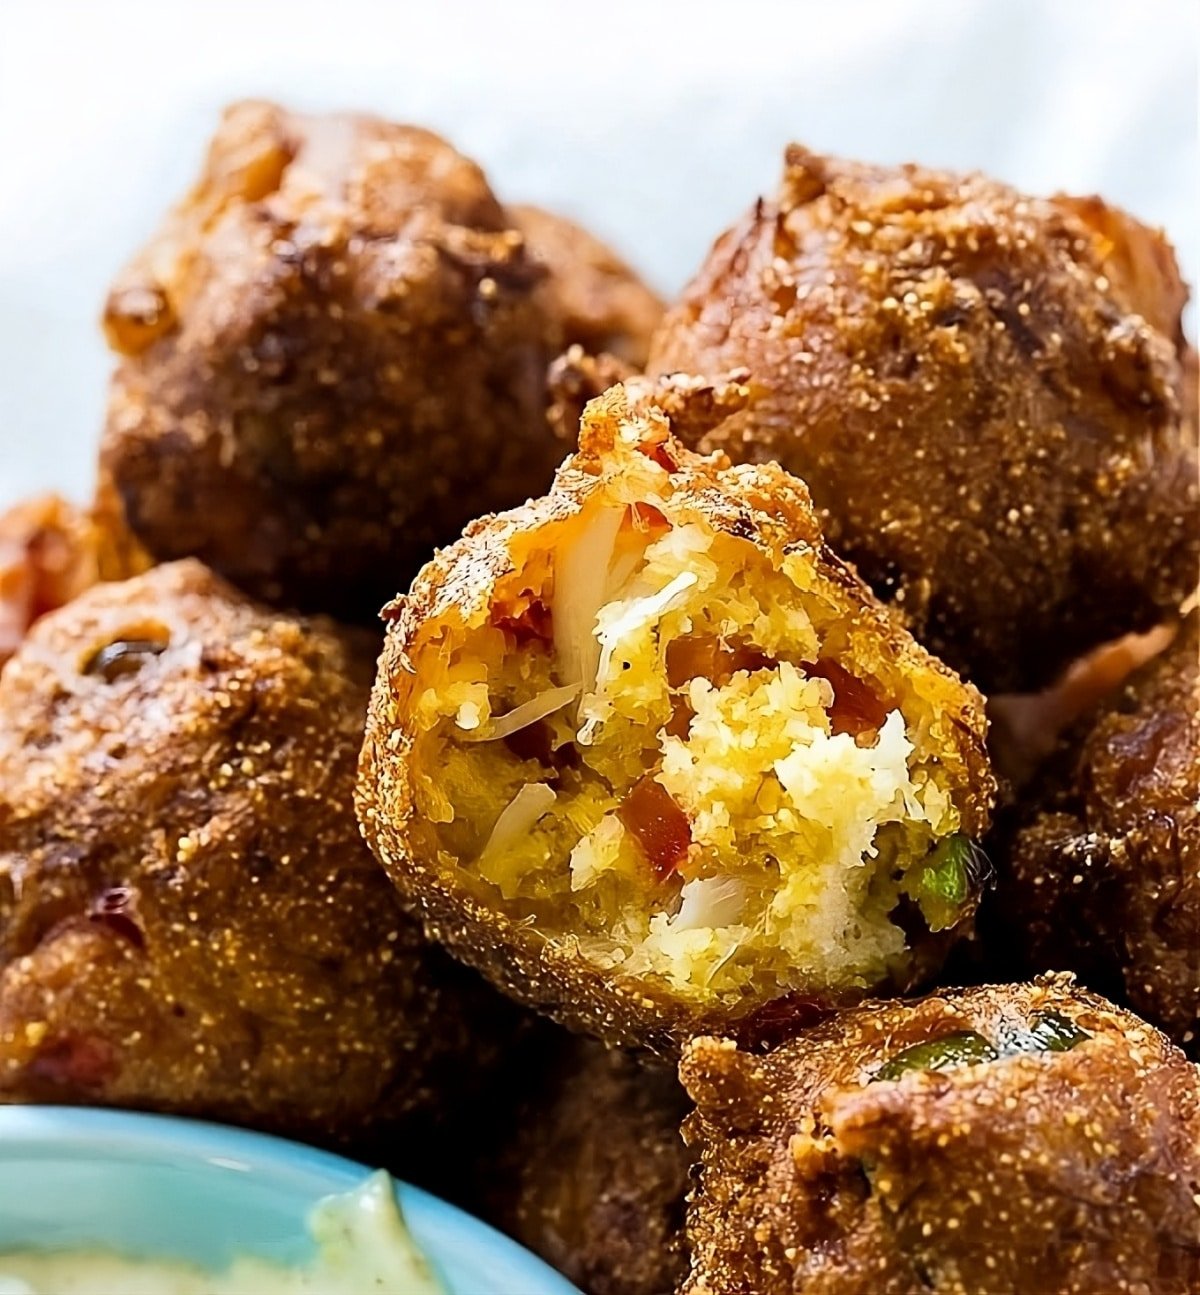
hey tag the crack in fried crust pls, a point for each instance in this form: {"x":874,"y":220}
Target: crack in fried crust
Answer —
{"x":761,"y":503}
{"x":983,"y":391}
{"x":1068,"y":1172}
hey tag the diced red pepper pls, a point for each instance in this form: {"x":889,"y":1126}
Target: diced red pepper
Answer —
{"x":682,"y":714}
{"x":857,"y":708}
{"x":661,"y":455}
{"x":705,"y":656}
{"x":527,"y":619}
{"x":646,"y":518}
{"x":662,"y":829}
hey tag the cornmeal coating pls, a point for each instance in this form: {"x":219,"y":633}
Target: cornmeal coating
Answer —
{"x":1010,"y":1138}
{"x":1104,"y":875}
{"x":189,"y":920}
{"x":602,"y":303}
{"x":592,"y":1171}
{"x":333,"y":356}
{"x":981,"y":389}
{"x":646,"y":753}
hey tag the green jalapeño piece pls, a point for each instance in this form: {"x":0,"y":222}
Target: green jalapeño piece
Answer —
{"x":962,"y":1048}
{"x":1047,"y":1032}
{"x":941,"y":885}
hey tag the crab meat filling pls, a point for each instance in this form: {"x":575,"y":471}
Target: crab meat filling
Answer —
{"x":672,"y":748}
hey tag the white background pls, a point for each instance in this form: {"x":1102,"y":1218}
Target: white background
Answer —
{"x":655,"y":121}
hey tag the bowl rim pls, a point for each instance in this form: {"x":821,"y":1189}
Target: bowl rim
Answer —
{"x":295,"y":1167}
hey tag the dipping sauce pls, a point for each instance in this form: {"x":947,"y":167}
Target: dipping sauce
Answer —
{"x":363,"y":1246}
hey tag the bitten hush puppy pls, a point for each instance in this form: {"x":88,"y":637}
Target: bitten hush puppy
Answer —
{"x":1104,"y":878}
{"x":333,"y":356}
{"x":189,"y":920}
{"x":981,"y":389}
{"x":650,"y":756}
{"x":593,"y":1171}
{"x":1012,"y":1138}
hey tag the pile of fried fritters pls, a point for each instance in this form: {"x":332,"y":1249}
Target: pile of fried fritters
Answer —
{"x":816,"y":737}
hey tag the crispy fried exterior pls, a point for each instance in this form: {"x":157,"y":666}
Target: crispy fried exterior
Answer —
{"x":50,"y":552}
{"x":1055,"y":1171}
{"x":592,"y":1171}
{"x":333,"y":355}
{"x":983,"y":392}
{"x":601,"y":301}
{"x":1104,"y":878}
{"x":543,"y":969}
{"x":189,"y":920}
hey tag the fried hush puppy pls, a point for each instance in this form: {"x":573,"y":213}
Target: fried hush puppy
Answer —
{"x":594,"y":1172}
{"x":189,"y":920}
{"x":651,"y":757}
{"x":50,"y":552}
{"x":1003,"y":1139}
{"x":332,"y":357}
{"x":602,"y":304}
{"x":981,"y":389}
{"x":1104,"y":877}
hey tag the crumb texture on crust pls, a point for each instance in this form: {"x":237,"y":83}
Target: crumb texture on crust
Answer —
{"x":983,"y":390}
{"x":189,"y":920}
{"x":653,"y":728}
{"x":1007,"y":1138}
{"x":1103,"y":877}
{"x":332,"y":356}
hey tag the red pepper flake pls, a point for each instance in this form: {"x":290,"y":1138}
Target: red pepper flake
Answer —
{"x":662,"y":829}
{"x":661,"y":455}
{"x":705,"y":656}
{"x":857,"y":708}
{"x":527,"y":619}
{"x":647,"y":519}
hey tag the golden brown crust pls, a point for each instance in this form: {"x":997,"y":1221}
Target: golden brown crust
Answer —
{"x":593,"y":1170}
{"x":189,"y":920}
{"x":1104,"y":878}
{"x":50,"y":552}
{"x":761,"y":503}
{"x":963,"y":376}
{"x":1057,"y":1171}
{"x":333,"y":355}
{"x":600,"y":299}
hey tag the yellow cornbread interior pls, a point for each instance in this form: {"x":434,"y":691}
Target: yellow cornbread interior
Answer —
{"x":804,"y":845}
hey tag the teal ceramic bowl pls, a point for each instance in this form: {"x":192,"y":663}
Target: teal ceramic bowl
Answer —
{"x":149,"y":1185}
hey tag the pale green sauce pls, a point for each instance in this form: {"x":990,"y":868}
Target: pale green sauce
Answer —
{"x":363,"y":1247}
